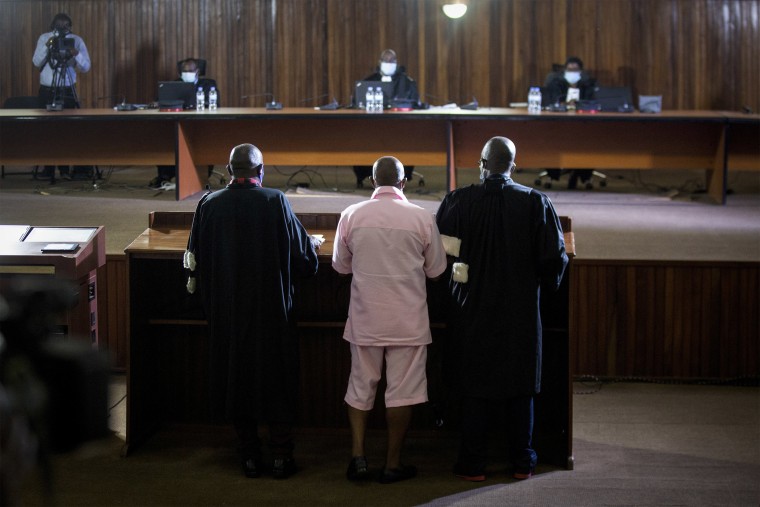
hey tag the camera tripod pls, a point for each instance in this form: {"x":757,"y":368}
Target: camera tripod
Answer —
{"x":60,"y":65}
{"x":62,"y":94}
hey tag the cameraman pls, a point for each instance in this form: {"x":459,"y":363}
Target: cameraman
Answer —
{"x":59,"y":55}
{"x":54,"y":52}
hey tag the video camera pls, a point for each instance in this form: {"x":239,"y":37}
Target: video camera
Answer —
{"x":61,"y":44}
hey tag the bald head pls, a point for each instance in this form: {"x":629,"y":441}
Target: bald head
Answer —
{"x":499,"y":154}
{"x":388,"y":171}
{"x":246,"y":160}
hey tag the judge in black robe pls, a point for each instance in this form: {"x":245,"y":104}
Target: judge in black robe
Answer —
{"x":508,"y":245}
{"x":246,"y":251}
{"x":556,"y":87}
{"x":404,"y":88}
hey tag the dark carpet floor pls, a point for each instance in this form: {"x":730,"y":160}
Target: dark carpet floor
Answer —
{"x":634,"y":444}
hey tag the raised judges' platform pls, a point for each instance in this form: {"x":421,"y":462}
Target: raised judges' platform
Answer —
{"x":167,"y":369}
{"x":714,"y":141}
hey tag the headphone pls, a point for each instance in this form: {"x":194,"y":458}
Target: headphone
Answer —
{"x":62,"y":16}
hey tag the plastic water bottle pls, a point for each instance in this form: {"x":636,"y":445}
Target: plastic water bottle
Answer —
{"x":534,"y":100}
{"x":200,"y":99}
{"x":212,"y":98}
{"x":378,"y":100}
{"x":369,"y":100}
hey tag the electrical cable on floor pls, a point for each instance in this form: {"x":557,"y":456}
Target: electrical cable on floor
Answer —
{"x":308,"y":173}
{"x":593,"y":384}
{"x":117,"y":403}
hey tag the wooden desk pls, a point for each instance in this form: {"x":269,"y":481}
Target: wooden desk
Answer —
{"x":21,"y":256}
{"x":713,"y":141}
{"x":167,"y":370}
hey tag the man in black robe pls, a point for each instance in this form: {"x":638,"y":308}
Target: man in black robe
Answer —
{"x":508,"y":245}
{"x":246,"y":251}
{"x":404,"y":88}
{"x":568,"y":87}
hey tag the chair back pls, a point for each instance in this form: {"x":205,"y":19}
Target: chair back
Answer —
{"x":32,"y":102}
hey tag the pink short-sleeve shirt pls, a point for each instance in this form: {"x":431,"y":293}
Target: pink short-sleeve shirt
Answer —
{"x":390,"y":246}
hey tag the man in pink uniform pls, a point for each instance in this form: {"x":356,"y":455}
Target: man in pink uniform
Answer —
{"x":390,"y":246}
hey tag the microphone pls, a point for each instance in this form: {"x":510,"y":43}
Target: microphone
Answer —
{"x":123,"y":106}
{"x":326,"y":107}
{"x":313,"y":98}
{"x":273,"y":105}
{"x":332,"y":106}
{"x":470,"y":106}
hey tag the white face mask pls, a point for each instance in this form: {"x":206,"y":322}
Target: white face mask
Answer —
{"x":387,"y":69}
{"x":188,"y":77}
{"x":572,"y":76}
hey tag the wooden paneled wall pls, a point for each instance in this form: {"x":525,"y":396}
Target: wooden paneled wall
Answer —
{"x":698,"y":54}
{"x":671,"y":320}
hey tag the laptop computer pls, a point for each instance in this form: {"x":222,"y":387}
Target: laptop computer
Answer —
{"x":614,"y":99}
{"x":360,"y":92}
{"x":171,"y":92}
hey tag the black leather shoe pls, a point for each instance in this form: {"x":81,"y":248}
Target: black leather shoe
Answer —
{"x":401,"y":473}
{"x":252,"y":467}
{"x":283,"y":468}
{"x":358,"y":470}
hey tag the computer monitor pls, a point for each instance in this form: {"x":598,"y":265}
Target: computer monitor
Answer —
{"x":360,"y":91}
{"x":169,"y":92}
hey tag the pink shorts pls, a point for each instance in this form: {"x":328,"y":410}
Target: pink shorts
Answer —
{"x":404,"y":374}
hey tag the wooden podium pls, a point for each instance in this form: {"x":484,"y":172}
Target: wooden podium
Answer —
{"x":167,"y":369}
{"x":73,"y":254}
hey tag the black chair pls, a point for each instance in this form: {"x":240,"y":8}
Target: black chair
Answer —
{"x":23,"y":102}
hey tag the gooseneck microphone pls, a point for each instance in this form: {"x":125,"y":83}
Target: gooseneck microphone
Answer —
{"x":470,"y":106}
{"x":121,"y":106}
{"x":330,"y":106}
{"x":273,"y":105}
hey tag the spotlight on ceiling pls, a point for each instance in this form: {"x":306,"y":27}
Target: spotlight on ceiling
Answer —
{"x":454,"y":11}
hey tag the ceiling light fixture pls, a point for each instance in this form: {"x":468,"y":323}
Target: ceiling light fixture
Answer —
{"x":455,"y":10}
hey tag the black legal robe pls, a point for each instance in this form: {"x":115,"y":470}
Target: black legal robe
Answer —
{"x":513,"y":244}
{"x":250,"y":250}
